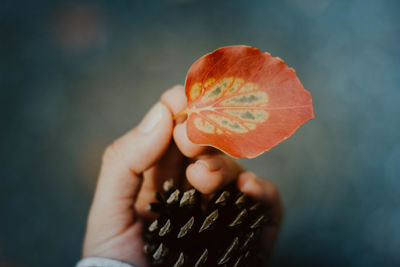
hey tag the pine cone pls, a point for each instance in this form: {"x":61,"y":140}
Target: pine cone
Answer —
{"x":226,"y":233}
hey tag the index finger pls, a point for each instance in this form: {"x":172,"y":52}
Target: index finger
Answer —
{"x":175,"y":100}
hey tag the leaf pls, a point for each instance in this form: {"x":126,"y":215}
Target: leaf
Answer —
{"x":243,"y":101}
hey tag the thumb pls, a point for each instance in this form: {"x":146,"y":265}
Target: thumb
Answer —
{"x":125,"y":160}
{"x":110,"y":228}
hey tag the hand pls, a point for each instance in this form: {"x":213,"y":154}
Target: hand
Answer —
{"x":135,"y":166}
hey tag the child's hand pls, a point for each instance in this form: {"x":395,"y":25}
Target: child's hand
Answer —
{"x":135,"y":166}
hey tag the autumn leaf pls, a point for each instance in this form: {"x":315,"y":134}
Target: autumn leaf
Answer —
{"x":243,"y":101}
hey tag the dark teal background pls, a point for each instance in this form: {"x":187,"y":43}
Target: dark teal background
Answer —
{"x":74,"y":75}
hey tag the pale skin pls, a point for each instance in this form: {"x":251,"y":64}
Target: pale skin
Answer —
{"x":136,"y":165}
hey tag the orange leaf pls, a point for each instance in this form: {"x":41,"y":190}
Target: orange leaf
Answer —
{"x":243,"y":101}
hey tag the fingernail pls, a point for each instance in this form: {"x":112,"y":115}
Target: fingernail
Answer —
{"x":212,"y":165}
{"x":203,"y":163}
{"x":152,"y":118}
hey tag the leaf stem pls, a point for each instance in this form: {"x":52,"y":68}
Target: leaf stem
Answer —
{"x":180,"y":114}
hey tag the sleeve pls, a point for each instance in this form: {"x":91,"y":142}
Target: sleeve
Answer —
{"x":101,"y":262}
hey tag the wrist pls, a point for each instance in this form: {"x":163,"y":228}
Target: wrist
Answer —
{"x":101,"y":262}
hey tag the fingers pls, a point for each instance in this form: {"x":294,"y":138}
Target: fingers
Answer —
{"x":125,"y":160}
{"x":212,"y":172}
{"x":187,"y":147}
{"x":175,"y":99}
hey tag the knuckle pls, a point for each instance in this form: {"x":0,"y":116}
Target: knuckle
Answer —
{"x":110,"y":153}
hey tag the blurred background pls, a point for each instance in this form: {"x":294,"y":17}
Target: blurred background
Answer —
{"x":74,"y":75}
